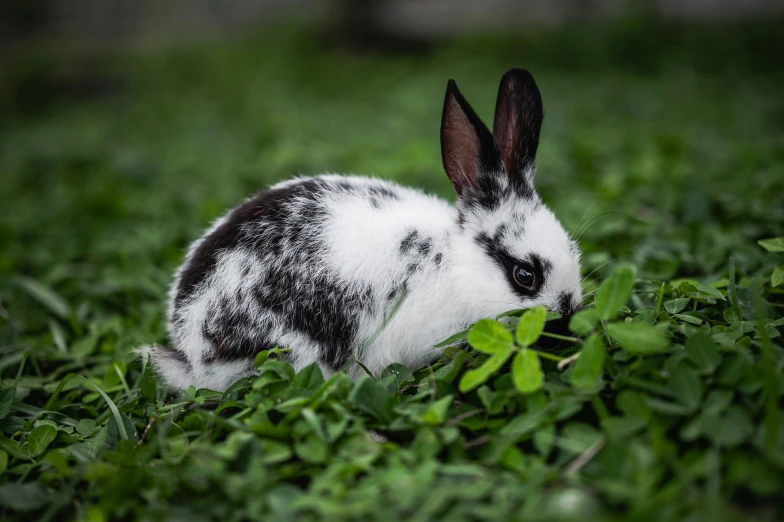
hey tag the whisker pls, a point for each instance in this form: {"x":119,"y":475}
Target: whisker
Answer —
{"x":579,"y":223}
{"x":582,"y":280}
{"x":592,"y":272}
{"x":598,"y":193}
{"x":587,"y":222}
{"x":614,"y":260}
{"x":595,"y":219}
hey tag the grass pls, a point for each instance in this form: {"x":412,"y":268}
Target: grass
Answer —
{"x":663,"y":150}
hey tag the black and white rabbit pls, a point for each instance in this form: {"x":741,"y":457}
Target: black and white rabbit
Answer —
{"x":318,"y":265}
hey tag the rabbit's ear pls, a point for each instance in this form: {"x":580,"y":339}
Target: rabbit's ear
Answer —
{"x":467,"y":146}
{"x":518,"y":120}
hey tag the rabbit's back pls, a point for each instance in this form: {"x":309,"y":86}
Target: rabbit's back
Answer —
{"x":314,"y":264}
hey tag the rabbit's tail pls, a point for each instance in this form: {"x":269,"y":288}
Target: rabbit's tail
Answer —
{"x":169,"y":364}
{"x":176,"y":371}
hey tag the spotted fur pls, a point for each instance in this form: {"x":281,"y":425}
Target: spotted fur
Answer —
{"x":339,"y":268}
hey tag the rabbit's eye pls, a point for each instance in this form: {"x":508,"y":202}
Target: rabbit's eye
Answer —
{"x":523,"y":276}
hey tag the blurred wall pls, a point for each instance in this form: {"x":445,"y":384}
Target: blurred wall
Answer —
{"x":133,"y":20}
{"x":446,"y":16}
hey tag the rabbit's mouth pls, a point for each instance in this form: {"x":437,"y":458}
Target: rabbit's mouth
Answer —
{"x":558,"y":326}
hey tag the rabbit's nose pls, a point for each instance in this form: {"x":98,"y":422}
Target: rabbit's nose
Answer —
{"x":569,"y":304}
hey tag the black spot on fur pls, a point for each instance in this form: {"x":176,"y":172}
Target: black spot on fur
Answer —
{"x":318,"y":310}
{"x":543,"y":266}
{"x":377,"y":193}
{"x":273,"y":224}
{"x":397,"y":290}
{"x":499,"y":233}
{"x":425,"y":246}
{"x":412,"y":267}
{"x":488,"y":195}
{"x":383,"y":192}
{"x":565,"y":305}
{"x":438,"y":258}
{"x":493,"y":249}
{"x":409,"y":241}
{"x":506,"y":262}
{"x":173,"y":355}
{"x":233,"y":335}
{"x":265,"y":206}
{"x":524,"y":190}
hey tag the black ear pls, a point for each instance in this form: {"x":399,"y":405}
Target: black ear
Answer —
{"x":518,"y":120}
{"x":467,"y":146}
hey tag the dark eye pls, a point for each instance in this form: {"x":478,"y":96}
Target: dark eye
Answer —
{"x":523,"y":276}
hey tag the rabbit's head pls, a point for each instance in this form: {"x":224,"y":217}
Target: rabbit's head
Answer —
{"x":514,"y":253}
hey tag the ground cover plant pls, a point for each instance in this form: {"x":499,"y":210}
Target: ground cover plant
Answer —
{"x":663,"y":154}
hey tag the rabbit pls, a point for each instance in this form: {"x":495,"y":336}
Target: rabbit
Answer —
{"x":341,"y":269}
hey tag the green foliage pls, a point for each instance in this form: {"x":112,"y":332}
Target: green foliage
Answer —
{"x":527,"y":371}
{"x":638,"y":338}
{"x":588,"y":369}
{"x":614,"y":292}
{"x":663,"y":402}
{"x":777,"y":278}
{"x":490,"y":337}
{"x":531,"y":326}
{"x":774,"y":244}
{"x":40,"y":438}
